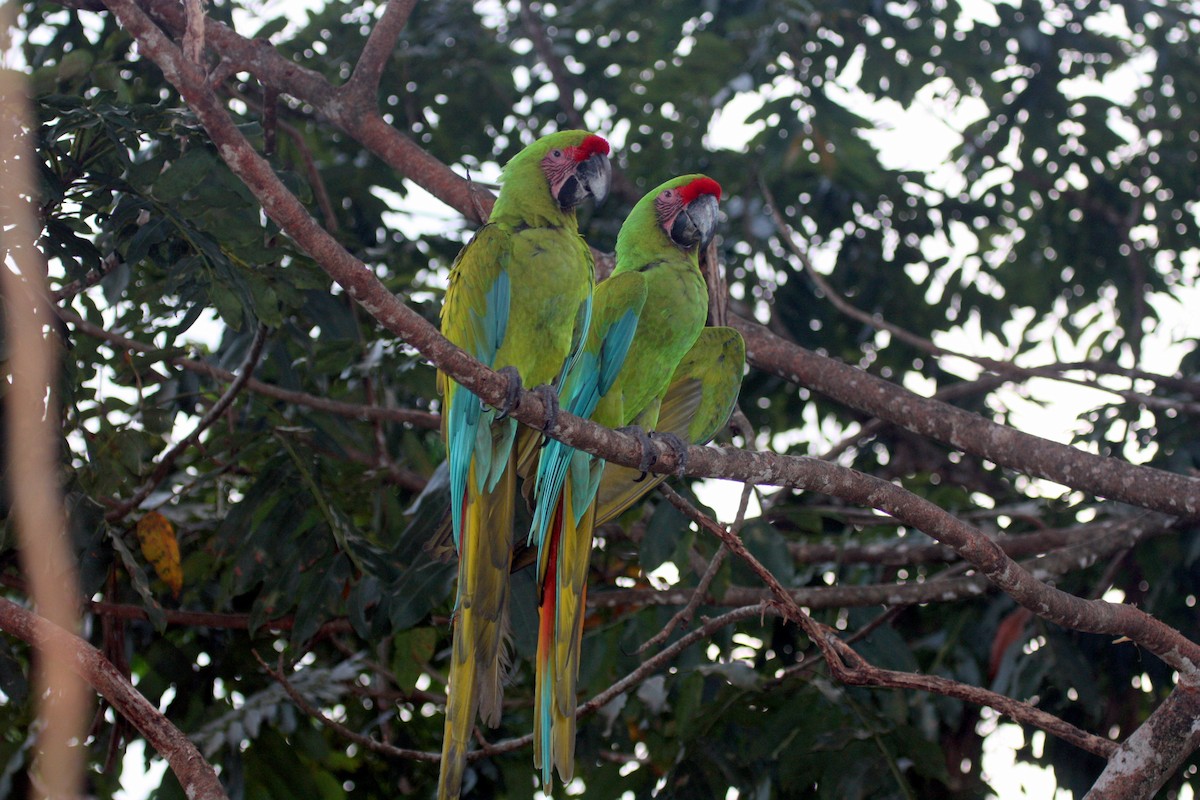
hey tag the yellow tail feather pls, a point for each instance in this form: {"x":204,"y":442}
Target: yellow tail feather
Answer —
{"x":564,"y":595}
{"x":479,"y":654}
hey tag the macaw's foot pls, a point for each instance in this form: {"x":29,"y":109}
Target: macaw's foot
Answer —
{"x":649,"y":453}
{"x":512,"y":395}
{"x":678,"y":446}
{"x":549,"y":396}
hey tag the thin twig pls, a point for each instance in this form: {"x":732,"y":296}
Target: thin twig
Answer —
{"x":194,"y":619}
{"x":167,"y":462}
{"x":420,"y":419}
{"x":554,"y":65}
{"x":337,"y":727}
{"x":854,"y":670}
{"x":364,"y":81}
{"x":1006,"y":368}
{"x":67,"y":291}
{"x":849,"y":667}
{"x":685,"y":614}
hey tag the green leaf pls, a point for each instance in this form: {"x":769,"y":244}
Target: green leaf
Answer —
{"x":412,"y":652}
{"x":187,"y":172}
{"x":663,"y":533}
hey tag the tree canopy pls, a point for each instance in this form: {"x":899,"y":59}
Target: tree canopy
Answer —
{"x":247,"y":220}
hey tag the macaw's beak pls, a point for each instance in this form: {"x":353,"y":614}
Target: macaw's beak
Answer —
{"x":696,"y":224}
{"x":592,"y":177}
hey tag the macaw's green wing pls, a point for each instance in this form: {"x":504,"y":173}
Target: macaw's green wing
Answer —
{"x":617,"y":307}
{"x":704,"y":387}
{"x":697,"y":404}
{"x":529,"y":441}
{"x":475,"y":317}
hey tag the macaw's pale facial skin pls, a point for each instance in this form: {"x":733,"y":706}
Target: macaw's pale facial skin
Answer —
{"x":688,"y":214}
{"x":519,"y":301}
{"x":578,"y":172}
{"x":647,"y":319}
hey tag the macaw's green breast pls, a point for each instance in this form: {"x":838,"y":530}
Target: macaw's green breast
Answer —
{"x":674,"y":314}
{"x":552,"y":274}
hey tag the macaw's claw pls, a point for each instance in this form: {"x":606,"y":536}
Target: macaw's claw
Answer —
{"x":678,"y":446}
{"x":649,"y":454}
{"x":512,"y":394}
{"x":549,"y":396}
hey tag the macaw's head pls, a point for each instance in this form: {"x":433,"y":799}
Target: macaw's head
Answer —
{"x":686,"y":210}
{"x":573,"y":165}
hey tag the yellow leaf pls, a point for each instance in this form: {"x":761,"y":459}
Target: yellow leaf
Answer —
{"x":160,"y":547}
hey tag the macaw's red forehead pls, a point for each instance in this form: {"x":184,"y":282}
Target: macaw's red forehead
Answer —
{"x":698,"y":187}
{"x":591,"y":145}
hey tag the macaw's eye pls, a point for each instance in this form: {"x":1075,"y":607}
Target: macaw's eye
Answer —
{"x":557,"y":153}
{"x":668,"y":193}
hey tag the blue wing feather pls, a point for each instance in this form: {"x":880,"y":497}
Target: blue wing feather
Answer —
{"x":593,"y":372}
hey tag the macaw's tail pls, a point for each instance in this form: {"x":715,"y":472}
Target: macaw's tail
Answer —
{"x":479,"y":656}
{"x":562,"y":601}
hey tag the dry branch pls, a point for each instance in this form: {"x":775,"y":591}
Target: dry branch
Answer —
{"x":167,"y":462}
{"x":1104,"y":477}
{"x":195,"y":775}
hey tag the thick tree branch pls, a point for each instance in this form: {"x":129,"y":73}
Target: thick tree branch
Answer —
{"x":1105,"y":477}
{"x":1154,"y":751}
{"x":195,"y":775}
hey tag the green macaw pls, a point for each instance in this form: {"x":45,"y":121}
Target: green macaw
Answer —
{"x":646,"y":319}
{"x":527,"y":265}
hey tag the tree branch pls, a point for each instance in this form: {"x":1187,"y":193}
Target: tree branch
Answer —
{"x":1105,"y":477}
{"x":856,"y":671}
{"x":911,"y":551}
{"x":366,"y":741}
{"x":195,"y":775}
{"x":1154,"y":751}
{"x":194,"y":619}
{"x":419,"y":419}
{"x":167,"y":462}
{"x":361,"y":88}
